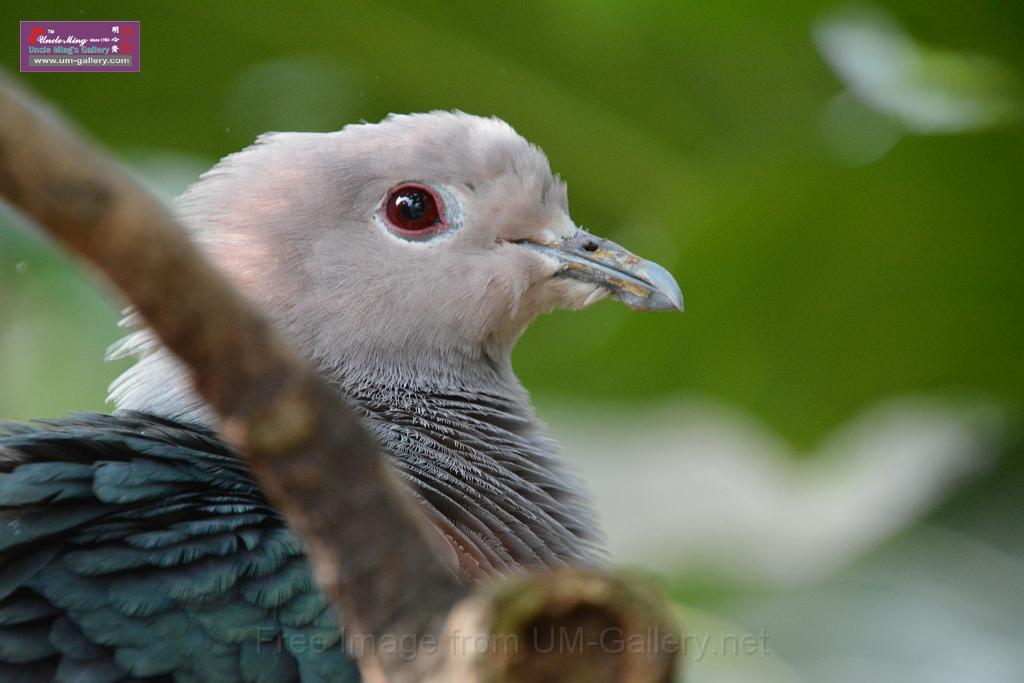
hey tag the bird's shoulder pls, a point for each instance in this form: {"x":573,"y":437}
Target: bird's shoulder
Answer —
{"x":137,"y":548}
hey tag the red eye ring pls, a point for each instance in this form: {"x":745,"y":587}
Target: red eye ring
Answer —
{"x":414,"y":210}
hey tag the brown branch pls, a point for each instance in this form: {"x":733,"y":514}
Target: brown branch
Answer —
{"x":307,"y":448}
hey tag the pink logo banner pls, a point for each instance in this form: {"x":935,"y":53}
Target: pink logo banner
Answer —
{"x":102,"y":46}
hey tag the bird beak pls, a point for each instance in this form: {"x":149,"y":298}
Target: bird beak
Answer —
{"x":641,"y":285}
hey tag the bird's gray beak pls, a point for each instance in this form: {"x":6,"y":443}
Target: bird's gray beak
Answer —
{"x":641,"y":285}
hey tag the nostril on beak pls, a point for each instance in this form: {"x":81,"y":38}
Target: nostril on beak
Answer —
{"x":590,"y":246}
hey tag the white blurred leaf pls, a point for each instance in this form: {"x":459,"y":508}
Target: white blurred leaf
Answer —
{"x":926,"y":89}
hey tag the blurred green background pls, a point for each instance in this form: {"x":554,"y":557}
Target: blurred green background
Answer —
{"x":838,"y":189}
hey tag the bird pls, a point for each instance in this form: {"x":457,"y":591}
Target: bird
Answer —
{"x":403,"y":259}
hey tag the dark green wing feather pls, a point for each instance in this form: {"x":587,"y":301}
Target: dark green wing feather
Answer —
{"x":137,"y":549}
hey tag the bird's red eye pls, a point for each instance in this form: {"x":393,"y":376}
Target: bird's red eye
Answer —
{"x":414,"y":210}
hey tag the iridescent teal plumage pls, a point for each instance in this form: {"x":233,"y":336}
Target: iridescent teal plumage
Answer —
{"x":134,"y":548}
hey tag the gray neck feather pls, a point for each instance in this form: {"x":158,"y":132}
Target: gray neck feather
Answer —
{"x":467,"y":441}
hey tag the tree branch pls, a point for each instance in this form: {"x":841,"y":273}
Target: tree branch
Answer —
{"x":307,"y":448}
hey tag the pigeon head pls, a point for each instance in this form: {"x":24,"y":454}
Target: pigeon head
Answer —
{"x":419,"y":246}
{"x":441,"y":234}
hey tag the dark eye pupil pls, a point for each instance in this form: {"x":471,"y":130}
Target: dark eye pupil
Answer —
{"x":412,"y":208}
{"x":411,"y":205}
